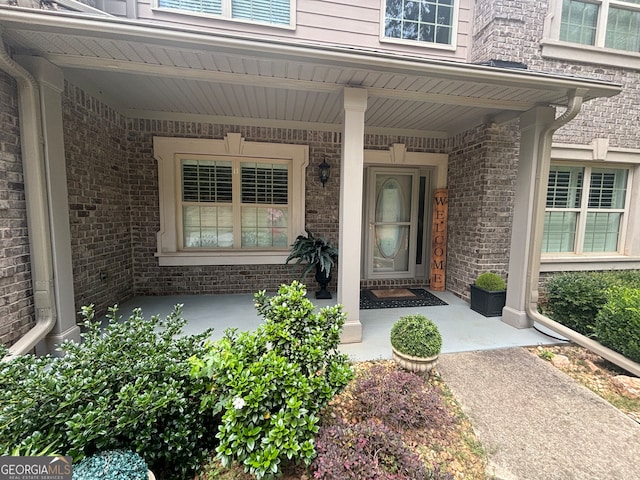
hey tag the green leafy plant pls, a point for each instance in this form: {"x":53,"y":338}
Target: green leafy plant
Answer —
{"x":417,"y":336}
{"x":315,"y":251}
{"x":125,"y":386}
{"x":112,"y":465}
{"x":270,"y":384}
{"x":618,"y":322}
{"x":491,"y":282}
{"x":574,"y":299}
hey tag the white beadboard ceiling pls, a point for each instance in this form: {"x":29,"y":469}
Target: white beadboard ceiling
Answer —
{"x":157,"y":77}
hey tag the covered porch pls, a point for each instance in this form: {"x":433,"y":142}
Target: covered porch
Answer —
{"x":462,"y":329}
{"x":105,"y":201}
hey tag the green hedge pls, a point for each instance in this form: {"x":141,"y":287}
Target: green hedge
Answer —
{"x":618,"y":322}
{"x":574,"y":299}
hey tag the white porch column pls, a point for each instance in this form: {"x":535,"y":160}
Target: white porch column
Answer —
{"x":51,"y":81}
{"x":350,"y":243}
{"x":533,"y":124}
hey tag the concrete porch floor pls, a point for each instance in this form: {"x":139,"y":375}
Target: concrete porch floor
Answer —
{"x":462,"y":329}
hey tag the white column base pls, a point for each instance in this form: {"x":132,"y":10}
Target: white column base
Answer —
{"x":516,"y":318}
{"x":351,"y":332}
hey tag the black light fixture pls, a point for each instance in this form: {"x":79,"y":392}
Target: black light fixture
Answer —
{"x":324,"y":169}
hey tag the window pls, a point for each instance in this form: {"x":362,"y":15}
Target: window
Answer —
{"x":607,"y":23}
{"x":276,"y":12}
{"x":585,"y":209}
{"x":429,"y":21}
{"x":217,"y":215}
{"x":228,"y":201}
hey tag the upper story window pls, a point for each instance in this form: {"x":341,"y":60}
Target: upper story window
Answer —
{"x":607,"y":23}
{"x":586,"y":208}
{"x":275,"y":12}
{"x":427,"y":21}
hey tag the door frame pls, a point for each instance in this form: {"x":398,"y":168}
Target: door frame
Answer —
{"x":398,"y":156}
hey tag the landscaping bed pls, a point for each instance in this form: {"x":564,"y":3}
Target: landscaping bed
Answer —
{"x":594,"y":372}
{"x":444,"y":441}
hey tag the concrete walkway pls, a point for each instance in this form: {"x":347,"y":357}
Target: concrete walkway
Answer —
{"x":536,"y":423}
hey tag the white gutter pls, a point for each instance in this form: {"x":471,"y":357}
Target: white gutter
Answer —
{"x":535,"y":249}
{"x":37,"y":204}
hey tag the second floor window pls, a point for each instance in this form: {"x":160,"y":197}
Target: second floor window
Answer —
{"x":606,"y":23}
{"x":277,"y":12}
{"x":429,"y":21}
{"x":585,"y":209}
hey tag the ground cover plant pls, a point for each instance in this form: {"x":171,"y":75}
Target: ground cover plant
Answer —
{"x":126,"y":386}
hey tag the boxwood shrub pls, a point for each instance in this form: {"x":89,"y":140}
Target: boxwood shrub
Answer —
{"x":618,"y":322}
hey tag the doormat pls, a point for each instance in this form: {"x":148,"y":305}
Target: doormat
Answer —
{"x":398,"y":298}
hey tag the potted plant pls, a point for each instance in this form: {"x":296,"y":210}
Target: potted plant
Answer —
{"x":488,"y":294}
{"x":416,"y":343}
{"x":318,"y":253}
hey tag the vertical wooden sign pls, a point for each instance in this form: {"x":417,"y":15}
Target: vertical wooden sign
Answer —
{"x":439,"y":240}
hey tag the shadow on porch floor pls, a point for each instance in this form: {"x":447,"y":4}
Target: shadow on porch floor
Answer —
{"x":462,"y":329}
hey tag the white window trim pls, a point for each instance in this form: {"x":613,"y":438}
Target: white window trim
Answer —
{"x":599,"y":154}
{"x":226,"y":15}
{"x":416,"y":43}
{"x":168,"y":151}
{"x":553,"y":47}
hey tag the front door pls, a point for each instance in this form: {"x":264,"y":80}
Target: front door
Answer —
{"x":391,"y":222}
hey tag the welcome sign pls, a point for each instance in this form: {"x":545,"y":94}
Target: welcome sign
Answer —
{"x":437,"y":274}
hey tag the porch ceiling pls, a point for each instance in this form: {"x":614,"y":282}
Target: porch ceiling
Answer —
{"x":156,"y":72}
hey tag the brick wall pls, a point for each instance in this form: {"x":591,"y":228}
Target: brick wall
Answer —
{"x":482,"y":174}
{"x":322,"y":206}
{"x":502,"y":31}
{"x":16,"y":293}
{"x":99,"y":200}
{"x":321,"y":209}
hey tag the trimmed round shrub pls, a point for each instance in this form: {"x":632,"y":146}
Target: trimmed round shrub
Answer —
{"x":491,"y":282}
{"x":112,"y":465}
{"x":618,"y":323}
{"x":417,"y":336}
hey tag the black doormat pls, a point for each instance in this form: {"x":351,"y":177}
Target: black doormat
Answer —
{"x":420,"y":298}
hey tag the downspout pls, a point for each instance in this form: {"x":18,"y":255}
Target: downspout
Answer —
{"x":37,"y":204}
{"x":535,"y":249}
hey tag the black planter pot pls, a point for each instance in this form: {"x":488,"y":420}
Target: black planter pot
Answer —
{"x":323,"y":280}
{"x":487,"y":303}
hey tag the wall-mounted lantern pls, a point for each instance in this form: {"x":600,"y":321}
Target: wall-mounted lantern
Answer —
{"x":324,"y":169}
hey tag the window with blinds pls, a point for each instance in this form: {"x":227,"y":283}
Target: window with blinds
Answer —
{"x":577,"y":223}
{"x":276,"y":12}
{"x":235,"y":204}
